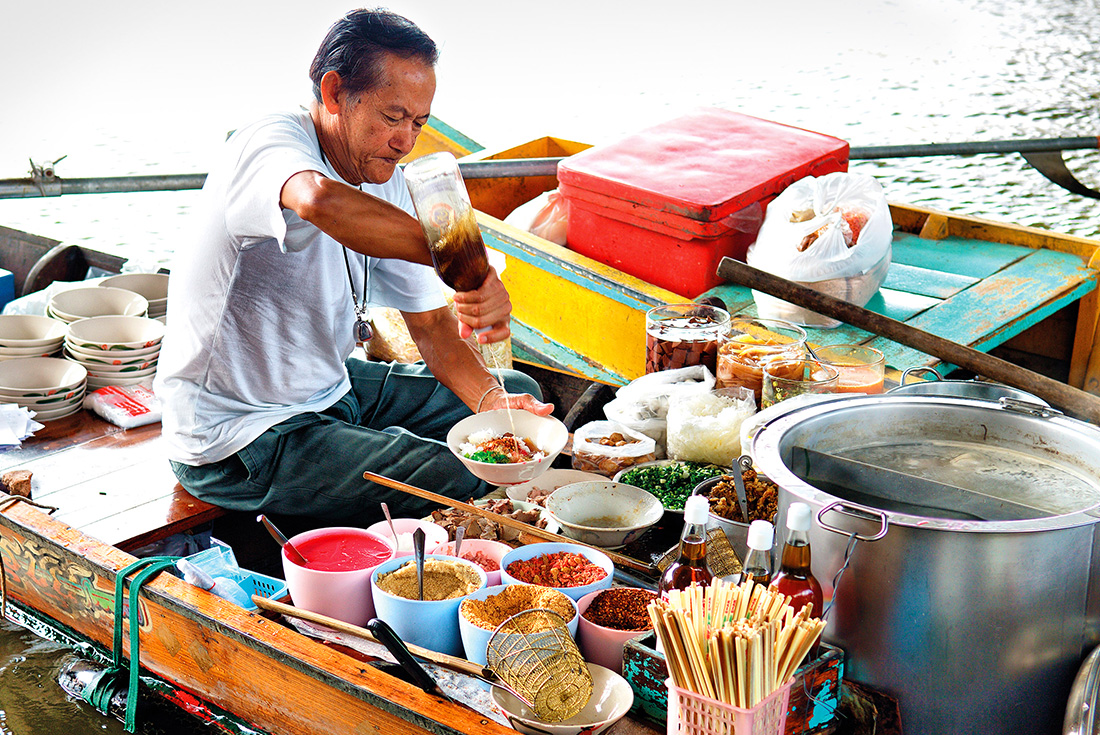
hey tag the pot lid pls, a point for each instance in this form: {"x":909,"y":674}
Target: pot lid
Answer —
{"x":938,"y":461}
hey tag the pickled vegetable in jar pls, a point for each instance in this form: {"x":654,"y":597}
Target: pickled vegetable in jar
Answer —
{"x":752,"y":342}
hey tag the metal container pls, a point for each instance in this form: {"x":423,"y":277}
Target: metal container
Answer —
{"x":973,"y":587}
{"x":980,"y":389}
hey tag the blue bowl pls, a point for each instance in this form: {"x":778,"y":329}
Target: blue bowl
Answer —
{"x":431,"y":624}
{"x":532,"y":550}
{"x":475,"y":639}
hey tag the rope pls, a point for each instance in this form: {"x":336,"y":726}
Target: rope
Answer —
{"x":102,"y":688}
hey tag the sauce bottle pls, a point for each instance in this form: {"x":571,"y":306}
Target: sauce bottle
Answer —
{"x":758,"y":562}
{"x":691,"y":566}
{"x":794,"y":577}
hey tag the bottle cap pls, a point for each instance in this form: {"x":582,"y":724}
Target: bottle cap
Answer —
{"x":761,"y":535}
{"x":798,"y":517}
{"x":696,"y":509}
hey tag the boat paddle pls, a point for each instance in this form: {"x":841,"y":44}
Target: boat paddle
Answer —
{"x":1074,"y":402}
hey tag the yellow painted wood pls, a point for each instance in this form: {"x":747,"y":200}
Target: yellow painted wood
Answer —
{"x":934,"y":228}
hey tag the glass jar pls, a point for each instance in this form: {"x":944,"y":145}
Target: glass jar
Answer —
{"x":785,"y":379}
{"x":681,"y":335}
{"x":749,"y":344}
{"x":862,"y":369}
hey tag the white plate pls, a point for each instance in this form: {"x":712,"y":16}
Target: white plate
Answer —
{"x":94,"y":383}
{"x":116,"y":333}
{"x":60,"y":413}
{"x":39,"y":376}
{"x":29,"y":330}
{"x":135,"y":370}
{"x":47,"y":403}
{"x":551,"y":480}
{"x":122,"y":354}
{"x":93,"y":301}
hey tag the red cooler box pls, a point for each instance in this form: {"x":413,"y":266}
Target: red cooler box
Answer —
{"x":668,"y":203}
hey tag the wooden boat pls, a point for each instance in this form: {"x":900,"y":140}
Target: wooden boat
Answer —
{"x":114,"y":492}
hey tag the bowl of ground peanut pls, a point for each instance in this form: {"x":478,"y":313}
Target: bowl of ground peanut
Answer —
{"x":431,"y":623}
{"x":608,"y":619}
{"x":482,"y":612}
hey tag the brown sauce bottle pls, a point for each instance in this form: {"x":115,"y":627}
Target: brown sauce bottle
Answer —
{"x":691,"y":566}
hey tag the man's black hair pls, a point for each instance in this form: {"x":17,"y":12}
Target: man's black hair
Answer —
{"x":354,"y":45}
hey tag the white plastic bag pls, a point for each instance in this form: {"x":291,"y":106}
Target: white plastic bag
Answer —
{"x":706,"y":427}
{"x":831,"y":233}
{"x":642,"y":404}
{"x":544,"y":216}
{"x":127,"y":406}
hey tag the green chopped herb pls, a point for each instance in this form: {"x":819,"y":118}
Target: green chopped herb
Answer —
{"x":490,"y":457}
{"x":672,"y":483}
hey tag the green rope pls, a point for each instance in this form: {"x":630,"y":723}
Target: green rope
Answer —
{"x":102,"y":688}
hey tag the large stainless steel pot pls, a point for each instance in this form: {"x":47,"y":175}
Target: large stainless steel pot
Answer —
{"x":975,"y":590}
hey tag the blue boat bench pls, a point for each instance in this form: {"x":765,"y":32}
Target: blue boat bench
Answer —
{"x":975,"y":293}
{"x":111,"y":483}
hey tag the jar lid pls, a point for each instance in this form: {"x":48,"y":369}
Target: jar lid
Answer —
{"x":761,"y":535}
{"x":798,"y":517}
{"x":696,"y":509}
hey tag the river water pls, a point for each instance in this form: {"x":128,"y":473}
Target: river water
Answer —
{"x":129,"y":87}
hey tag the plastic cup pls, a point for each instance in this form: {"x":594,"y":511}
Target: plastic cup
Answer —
{"x":750,"y":344}
{"x":862,"y":369}
{"x":785,"y":379}
{"x":681,"y":335}
{"x":345,"y":594}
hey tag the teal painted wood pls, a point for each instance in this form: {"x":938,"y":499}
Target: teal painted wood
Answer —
{"x":974,"y":258}
{"x":1001,"y":306}
{"x":926,"y":282}
{"x":532,"y":346}
{"x":463,"y":140}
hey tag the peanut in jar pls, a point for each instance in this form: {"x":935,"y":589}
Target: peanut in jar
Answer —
{"x":750,"y":344}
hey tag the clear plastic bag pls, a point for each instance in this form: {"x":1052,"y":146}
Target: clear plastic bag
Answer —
{"x":832,"y":233}
{"x":642,"y":404}
{"x":607,"y":447}
{"x":706,"y":427}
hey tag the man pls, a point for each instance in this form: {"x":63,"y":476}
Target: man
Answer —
{"x":303,"y":221}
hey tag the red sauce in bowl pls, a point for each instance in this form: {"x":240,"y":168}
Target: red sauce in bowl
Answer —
{"x":343,"y":551}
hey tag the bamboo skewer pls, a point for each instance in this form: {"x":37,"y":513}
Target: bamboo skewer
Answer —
{"x":619,"y":559}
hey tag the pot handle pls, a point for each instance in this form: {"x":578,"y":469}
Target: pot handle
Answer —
{"x":854,"y":511}
{"x":919,"y":369}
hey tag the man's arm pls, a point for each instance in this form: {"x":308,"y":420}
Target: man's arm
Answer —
{"x":457,"y":364}
{"x":355,"y":219}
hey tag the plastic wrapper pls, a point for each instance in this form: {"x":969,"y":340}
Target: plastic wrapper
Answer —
{"x":642,"y":404}
{"x":607,"y":447}
{"x":124,"y":405}
{"x":544,"y":216}
{"x":706,"y":427}
{"x":831,"y":233}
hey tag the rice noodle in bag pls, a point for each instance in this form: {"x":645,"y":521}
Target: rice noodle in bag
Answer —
{"x":706,"y":427}
{"x":642,"y":404}
{"x":606,"y":447}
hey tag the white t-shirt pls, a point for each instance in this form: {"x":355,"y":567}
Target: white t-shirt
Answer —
{"x":260,"y":316}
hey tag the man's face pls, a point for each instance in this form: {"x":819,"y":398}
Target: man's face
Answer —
{"x":380,"y":126}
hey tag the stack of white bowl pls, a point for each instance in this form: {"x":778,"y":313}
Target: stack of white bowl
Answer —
{"x":28,"y":335}
{"x":90,"y":301}
{"x":153,"y":286}
{"x":116,"y":350}
{"x":51,"y":387}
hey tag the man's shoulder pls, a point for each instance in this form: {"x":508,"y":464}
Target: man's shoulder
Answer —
{"x":293,"y":123}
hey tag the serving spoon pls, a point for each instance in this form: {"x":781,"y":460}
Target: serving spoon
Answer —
{"x":284,"y":542}
{"x":418,"y":551}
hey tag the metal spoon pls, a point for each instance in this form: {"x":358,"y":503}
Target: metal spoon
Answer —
{"x":418,"y":551}
{"x":293,"y":553}
{"x":744,"y":462}
{"x":460,"y":533}
{"x":389,"y":519}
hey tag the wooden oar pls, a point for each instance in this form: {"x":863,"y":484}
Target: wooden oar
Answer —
{"x":619,"y":559}
{"x":1074,"y":402}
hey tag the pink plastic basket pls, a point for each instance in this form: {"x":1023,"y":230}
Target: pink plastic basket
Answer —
{"x":693,"y":714}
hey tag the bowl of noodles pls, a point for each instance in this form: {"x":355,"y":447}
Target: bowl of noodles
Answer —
{"x":507,"y":446}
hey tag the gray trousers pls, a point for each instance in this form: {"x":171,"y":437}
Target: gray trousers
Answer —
{"x":394,"y":422}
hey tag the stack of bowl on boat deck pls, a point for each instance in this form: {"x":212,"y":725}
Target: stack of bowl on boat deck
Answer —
{"x":91,"y":301}
{"x":153,"y":286}
{"x":51,"y":387}
{"x":115,"y":350}
{"x":29,"y":335}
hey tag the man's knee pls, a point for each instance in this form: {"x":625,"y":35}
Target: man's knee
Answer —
{"x":517,"y":382}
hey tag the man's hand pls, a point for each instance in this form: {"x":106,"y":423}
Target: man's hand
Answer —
{"x":488,"y":306}
{"x":498,"y":399}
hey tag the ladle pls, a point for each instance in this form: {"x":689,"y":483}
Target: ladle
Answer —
{"x":418,"y":551}
{"x":294,"y":555}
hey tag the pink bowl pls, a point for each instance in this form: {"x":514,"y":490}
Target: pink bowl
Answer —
{"x":599,"y":645}
{"x":344,"y":595}
{"x":434,"y":534}
{"x":495,"y":550}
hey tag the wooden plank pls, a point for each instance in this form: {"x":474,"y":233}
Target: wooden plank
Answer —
{"x":926,"y":282}
{"x":71,"y":431}
{"x":955,"y":255}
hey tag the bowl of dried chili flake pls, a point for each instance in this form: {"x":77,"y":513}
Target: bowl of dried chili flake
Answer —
{"x":610,"y":618}
{"x":570,"y":568}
